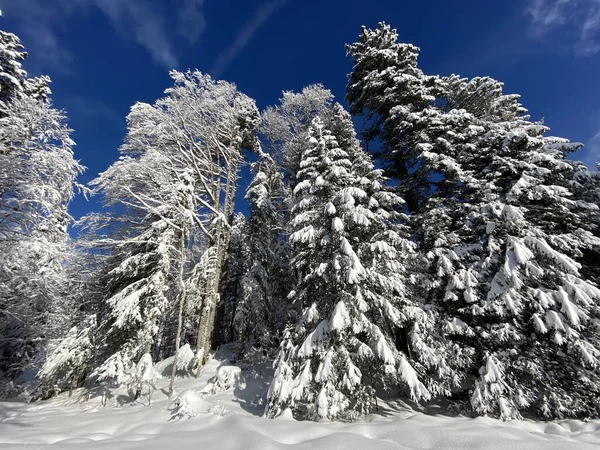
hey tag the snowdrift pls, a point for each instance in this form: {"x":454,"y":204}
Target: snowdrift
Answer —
{"x":231,"y":418}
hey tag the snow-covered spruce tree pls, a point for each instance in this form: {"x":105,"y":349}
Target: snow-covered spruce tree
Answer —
{"x":14,"y":82}
{"x":538,"y":334}
{"x":398,"y":102}
{"x":262,"y":306}
{"x":37,"y":177}
{"x":585,"y":186}
{"x":502,"y":231}
{"x":155,"y":205}
{"x":386,"y":86}
{"x":239,"y":259}
{"x":71,"y":359}
{"x":352,"y":287}
{"x":13,"y":78}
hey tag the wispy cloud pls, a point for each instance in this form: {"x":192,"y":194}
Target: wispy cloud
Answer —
{"x":42,"y":24}
{"x":94,"y":112}
{"x":137,"y":18}
{"x":592,"y":155}
{"x":262,"y":14}
{"x":578,"y":22}
{"x":190,"y":18}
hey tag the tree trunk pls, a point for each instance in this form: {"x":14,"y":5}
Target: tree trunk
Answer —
{"x":222,"y":233}
{"x":410,"y":197}
{"x":208,"y":305}
{"x":182,"y":296}
{"x":74,"y":379}
{"x":229,"y":203}
{"x":220,"y":307}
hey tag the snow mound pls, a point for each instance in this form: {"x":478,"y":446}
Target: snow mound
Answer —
{"x":188,"y":403}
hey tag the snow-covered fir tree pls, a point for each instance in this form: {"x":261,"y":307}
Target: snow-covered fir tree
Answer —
{"x":502,"y":227}
{"x":14,"y":82}
{"x":262,"y":308}
{"x":71,"y":359}
{"x":239,"y":258}
{"x":386,"y":86}
{"x":539,"y":339}
{"x":352,"y":286}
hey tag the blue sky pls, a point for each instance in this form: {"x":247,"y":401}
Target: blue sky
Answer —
{"x":104,"y":55}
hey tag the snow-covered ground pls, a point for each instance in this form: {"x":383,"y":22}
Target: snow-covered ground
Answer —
{"x":232,"y":420}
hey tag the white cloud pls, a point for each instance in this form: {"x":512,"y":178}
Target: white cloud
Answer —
{"x":578,"y":22}
{"x":262,"y":14}
{"x":138,"y":20}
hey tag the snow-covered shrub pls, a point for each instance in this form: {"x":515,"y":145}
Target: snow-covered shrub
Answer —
{"x":117,"y":369}
{"x":219,"y":410}
{"x":185,"y":405}
{"x":226,"y":378}
{"x":144,"y":377}
{"x":185,"y":357}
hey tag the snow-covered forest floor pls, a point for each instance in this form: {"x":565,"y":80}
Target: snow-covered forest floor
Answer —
{"x":232,"y":419}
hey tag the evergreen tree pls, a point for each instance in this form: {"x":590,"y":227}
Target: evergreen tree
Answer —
{"x":386,"y":86}
{"x":239,"y":259}
{"x":71,"y":359}
{"x":262,"y":306}
{"x":504,"y":221}
{"x":352,"y":287}
{"x":14,"y":82}
{"x":534,"y":309}
{"x":138,"y":288}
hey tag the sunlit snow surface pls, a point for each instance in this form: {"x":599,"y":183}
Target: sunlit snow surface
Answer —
{"x":232,"y":420}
